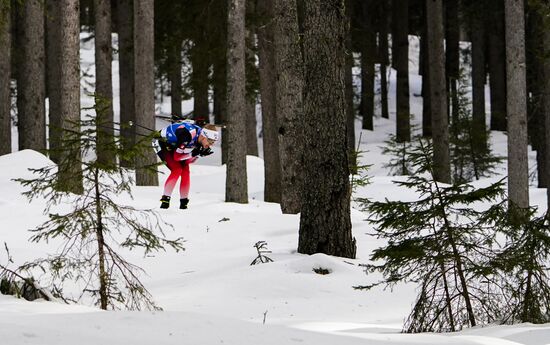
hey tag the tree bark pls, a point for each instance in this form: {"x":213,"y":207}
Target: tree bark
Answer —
{"x":104,"y":81}
{"x":546,"y":110}
{"x":516,"y":105}
{"x":251,"y":80}
{"x":5,"y":78}
{"x":425,"y":72}
{"x":144,"y":85}
{"x":325,"y":225}
{"x":348,"y":79}
{"x":289,"y":105}
{"x":31,"y":83}
{"x":438,"y":94}
{"x":218,"y":52}
{"x":479,"y":74}
{"x":125,"y":23}
{"x":266,"y":55}
{"x":368,"y":57}
{"x":69,"y":167}
{"x":401,"y":63}
{"x":452,"y":52}
{"x":236,"y":186}
{"x":53,"y":73}
{"x":497,"y":66}
{"x":199,"y":76}
{"x":176,"y":80}
{"x":384,"y":56}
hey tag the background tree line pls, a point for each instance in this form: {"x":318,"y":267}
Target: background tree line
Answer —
{"x":296,"y":58}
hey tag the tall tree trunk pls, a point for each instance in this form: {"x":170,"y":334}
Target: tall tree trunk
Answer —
{"x":535,"y":56}
{"x":452,"y":52}
{"x":266,"y":55}
{"x":31,"y":82}
{"x":199,"y":76}
{"x":251,"y":124}
{"x":53,"y":73}
{"x":368,"y":57}
{"x":546,"y":111}
{"x":438,"y":94}
{"x":401,"y":63}
{"x":251,"y":80}
{"x":497,"y":66}
{"x":384,"y":56}
{"x":217,"y":24}
{"x":516,"y":105}
{"x":425,"y":72}
{"x":104,"y":81}
{"x":176,"y":79}
{"x":69,"y":166}
{"x":236,"y":186}
{"x":479,"y":75}
{"x":5,"y":78}
{"x":125,"y":23}
{"x":144,"y":85}
{"x":325,"y":225}
{"x":289,"y":105}
{"x":348,"y":79}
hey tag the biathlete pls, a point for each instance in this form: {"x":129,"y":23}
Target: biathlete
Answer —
{"x":182,"y":144}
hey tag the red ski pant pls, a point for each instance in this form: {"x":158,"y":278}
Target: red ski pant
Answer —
{"x":178,"y":169}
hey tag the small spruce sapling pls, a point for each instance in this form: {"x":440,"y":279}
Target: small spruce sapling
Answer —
{"x":522,"y":268}
{"x":471,"y":154}
{"x":92,"y":226}
{"x":436,"y":242}
{"x":261,"y":248}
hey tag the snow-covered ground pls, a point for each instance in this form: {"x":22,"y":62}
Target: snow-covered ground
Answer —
{"x":209,"y":292}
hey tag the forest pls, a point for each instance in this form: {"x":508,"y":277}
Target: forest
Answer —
{"x":296,"y":83}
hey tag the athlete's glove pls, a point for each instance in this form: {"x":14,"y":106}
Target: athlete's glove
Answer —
{"x":206,"y":152}
{"x":196,"y":151}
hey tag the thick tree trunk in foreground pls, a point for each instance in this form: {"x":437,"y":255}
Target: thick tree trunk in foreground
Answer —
{"x":325,"y":225}
{"x":236,"y":186}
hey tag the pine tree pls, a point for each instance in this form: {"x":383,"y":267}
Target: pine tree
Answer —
{"x":368,"y":54}
{"x":471,"y":156}
{"x":497,"y":64}
{"x":437,"y":242}
{"x":90,"y":255}
{"x":522,"y":269}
